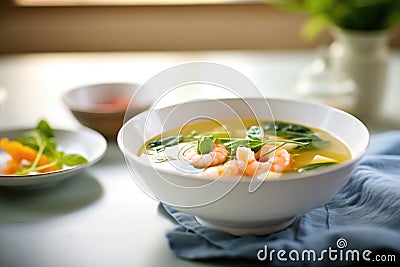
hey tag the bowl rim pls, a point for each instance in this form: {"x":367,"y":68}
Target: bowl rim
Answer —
{"x":78,"y":106}
{"x":287,"y":177}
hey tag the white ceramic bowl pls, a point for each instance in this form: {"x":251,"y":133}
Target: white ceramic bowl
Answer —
{"x":227,"y":204}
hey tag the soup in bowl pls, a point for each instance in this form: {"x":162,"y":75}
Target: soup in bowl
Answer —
{"x":244,"y":166}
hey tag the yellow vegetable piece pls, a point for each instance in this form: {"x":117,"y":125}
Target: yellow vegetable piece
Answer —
{"x":321,"y":159}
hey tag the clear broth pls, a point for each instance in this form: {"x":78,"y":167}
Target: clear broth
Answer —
{"x":336,"y":149}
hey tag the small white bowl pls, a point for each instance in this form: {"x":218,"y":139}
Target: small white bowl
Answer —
{"x":102,"y":107}
{"x":227,"y":204}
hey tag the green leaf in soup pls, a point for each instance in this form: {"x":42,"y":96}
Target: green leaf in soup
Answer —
{"x":233,"y":144}
{"x":255,"y":132}
{"x":299,"y":133}
{"x":256,"y":145}
{"x":279,"y":126}
{"x":165,"y":142}
{"x":292,"y":135}
{"x":315,"y":166}
{"x":313,"y":145}
{"x":204,"y":144}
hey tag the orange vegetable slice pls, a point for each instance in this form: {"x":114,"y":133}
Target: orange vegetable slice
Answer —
{"x":19,"y":152}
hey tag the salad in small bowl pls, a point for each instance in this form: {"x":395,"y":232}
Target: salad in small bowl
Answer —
{"x":43,"y":155}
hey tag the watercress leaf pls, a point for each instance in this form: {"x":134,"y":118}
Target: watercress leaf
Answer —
{"x":72,"y":159}
{"x":305,"y":139}
{"x":37,"y":140}
{"x":166,"y":141}
{"x":43,"y":140}
{"x":33,"y":139}
{"x":234,"y":144}
{"x":225,"y":140}
{"x":321,"y":144}
{"x":27,"y":139}
{"x":172,"y":141}
{"x":315,"y":166}
{"x":298,"y":133}
{"x":291,"y":135}
{"x":256,"y":145}
{"x":255,"y":132}
{"x":204,"y":144}
{"x":283,"y":127}
{"x":44,"y":128}
{"x":51,"y":148}
{"x":58,"y":158}
{"x":313,"y":145}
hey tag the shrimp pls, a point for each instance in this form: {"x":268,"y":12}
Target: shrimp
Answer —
{"x":249,"y":164}
{"x":218,"y":155}
{"x":230,"y":168}
{"x":245,"y":164}
{"x":253,"y":167}
{"x":278,"y":157}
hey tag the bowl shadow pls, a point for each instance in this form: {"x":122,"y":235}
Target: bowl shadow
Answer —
{"x":65,"y":197}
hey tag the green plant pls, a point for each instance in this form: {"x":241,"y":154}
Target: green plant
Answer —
{"x":360,"y":15}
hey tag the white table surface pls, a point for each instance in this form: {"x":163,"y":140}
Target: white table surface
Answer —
{"x":100,"y":217}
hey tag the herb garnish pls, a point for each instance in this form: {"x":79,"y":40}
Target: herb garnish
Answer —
{"x":315,"y":166}
{"x":255,"y":139}
{"x":43,"y":140}
{"x":204,"y":144}
{"x":36,"y":151}
{"x":298,"y":133}
{"x":161,"y":143}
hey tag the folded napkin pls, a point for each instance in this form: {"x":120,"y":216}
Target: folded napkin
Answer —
{"x":364,"y":216}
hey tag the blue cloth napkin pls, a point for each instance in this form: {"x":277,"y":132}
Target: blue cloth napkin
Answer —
{"x":364,"y":216}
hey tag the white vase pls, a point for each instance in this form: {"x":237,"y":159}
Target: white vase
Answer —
{"x":363,"y":56}
{"x":317,"y":82}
